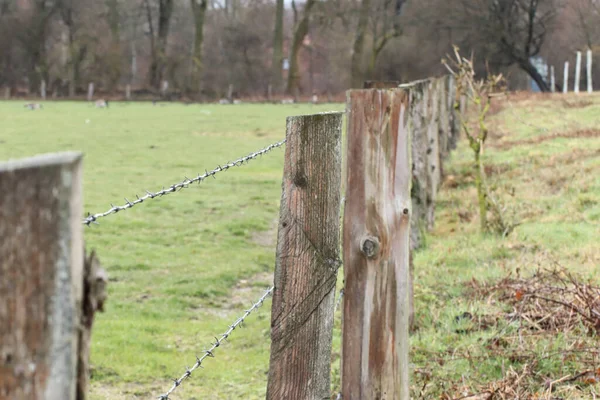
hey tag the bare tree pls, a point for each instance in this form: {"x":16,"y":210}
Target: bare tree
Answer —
{"x":384,"y":18}
{"x":199,"y":11}
{"x":276,"y":65}
{"x":300,"y":31}
{"x":512,"y":30}
{"x":158,"y":43}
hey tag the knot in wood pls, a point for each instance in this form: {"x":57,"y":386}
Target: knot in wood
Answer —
{"x":369,"y":246}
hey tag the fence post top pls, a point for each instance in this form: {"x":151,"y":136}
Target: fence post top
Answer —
{"x":42,"y":160}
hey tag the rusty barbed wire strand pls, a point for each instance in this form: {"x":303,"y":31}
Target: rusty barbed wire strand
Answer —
{"x":217,"y":343}
{"x":93,"y":218}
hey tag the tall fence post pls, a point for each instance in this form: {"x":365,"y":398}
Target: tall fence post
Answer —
{"x":43,"y":89}
{"x":41,"y":276}
{"x":589,"y":71}
{"x":308,"y":248}
{"x":6,"y":93}
{"x":90,"y":94}
{"x":577,"y":72}
{"x":128,"y":92}
{"x":270,"y":93}
{"x":566,"y":78}
{"x":376,"y":247}
{"x":552,"y":79}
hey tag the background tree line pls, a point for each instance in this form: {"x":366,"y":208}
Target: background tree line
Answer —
{"x":203,"y":46}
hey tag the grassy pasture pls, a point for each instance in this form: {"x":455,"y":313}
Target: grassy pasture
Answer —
{"x":184,"y":266}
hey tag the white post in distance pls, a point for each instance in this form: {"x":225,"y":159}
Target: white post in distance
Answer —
{"x":589,"y":71}
{"x":566,"y":78}
{"x":577,"y":72}
{"x":552,"y":79}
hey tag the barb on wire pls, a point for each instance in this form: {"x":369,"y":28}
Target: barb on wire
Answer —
{"x":93,"y":218}
{"x":217,"y":343}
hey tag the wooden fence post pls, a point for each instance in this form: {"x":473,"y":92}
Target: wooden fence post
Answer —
{"x":7,"y":93}
{"x":164,"y":88}
{"x":90,"y":95}
{"x":43,"y":89}
{"x":307,"y":260}
{"x":566,"y":78}
{"x":41,"y":276}
{"x":230,"y":93}
{"x":444,"y":121}
{"x":552,"y":79}
{"x":376,"y":247}
{"x":577,"y":71}
{"x":270,"y":93}
{"x":454,"y":117}
{"x":589,"y":71}
{"x":128,"y":92}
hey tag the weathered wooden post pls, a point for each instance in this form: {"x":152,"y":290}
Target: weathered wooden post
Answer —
{"x":270,"y":93}
{"x":41,"y":276}
{"x":444,"y":121}
{"x":566,"y":78}
{"x":230,"y":93}
{"x":128,"y":92}
{"x":552,"y":79}
{"x":376,"y":247}
{"x":7,"y":93}
{"x":589,"y":71}
{"x":577,"y":72}
{"x":164,"y":89}
{"x":43,"y":89}
{"x":454,"y":117}
{"x":307,"y":259}
{"x":90,"y":94}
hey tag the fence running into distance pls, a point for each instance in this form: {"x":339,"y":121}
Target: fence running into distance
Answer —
{"x":398,"y":137}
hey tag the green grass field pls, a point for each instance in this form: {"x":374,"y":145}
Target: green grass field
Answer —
{"x":183,"y":267}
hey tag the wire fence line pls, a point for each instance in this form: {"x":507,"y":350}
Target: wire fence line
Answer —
{"x":218,"y":341}
{"x":93,"y":218}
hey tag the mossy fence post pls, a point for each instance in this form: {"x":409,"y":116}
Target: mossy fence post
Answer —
{"x":308,"y":247}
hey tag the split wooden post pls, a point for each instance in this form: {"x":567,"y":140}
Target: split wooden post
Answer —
{"x":577,"y":71}
{"x":376,"y":247}
{"x":90,"y":95}
{"x":308,"y":248}
{"x":164,"y":89}
{"x":552,"y":79}
{"x":589,"y":71}
{"x":41,"y":276}
{"x":270,"y":93}
{"x":128,"y":92}
{"x":566,"y":78}
{"x":6,"y":93}
{"x":43,"y":89}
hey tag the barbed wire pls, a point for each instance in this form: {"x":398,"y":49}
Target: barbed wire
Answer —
{"x":93,"y":218}
{"x":217,"y":343}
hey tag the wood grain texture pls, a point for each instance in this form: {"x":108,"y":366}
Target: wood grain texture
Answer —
{"x":433,"y":152}
{"x":376,"y":247}
{"x":453,"y":111}
{"x":41,"y":259}
{"x":443,"y":121}
{"x":308,"y":246}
